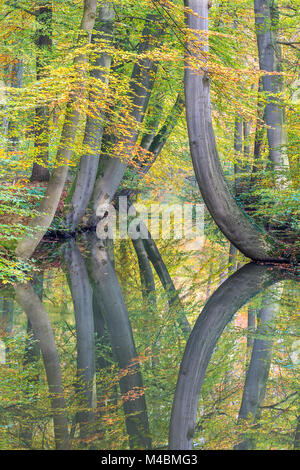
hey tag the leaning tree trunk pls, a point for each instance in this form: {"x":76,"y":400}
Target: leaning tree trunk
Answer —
{"x":251,"y":240}
{"x":87,"y":171}
{"x":48,"y":206}
{"x":155,"y":142}
{"x":141,"y":85}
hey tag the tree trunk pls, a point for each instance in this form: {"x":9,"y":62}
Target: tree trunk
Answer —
{"x":43,"y":42}
{"x":266,"y":21}
{"x":48,"y":206}
{"x":155,"y":144}
{"x":259,"y":135}
{"x":252,"y":241}
{"x":87,"y":171}
{"x":141,"y":85}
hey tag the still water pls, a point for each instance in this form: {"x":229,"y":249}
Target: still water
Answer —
{"x":85,"y":364}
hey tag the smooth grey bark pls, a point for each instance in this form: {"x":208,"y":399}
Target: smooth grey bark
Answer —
{"x":238,"y":228}
{"x":259,"y":130}
{"x":89,"y":162}
{"x":269,"y":53}
{"x":41,"y":325}
{"x":43,"y":42}
{"x":110,"y":299}
{"x":140,"y":87}
{"x":235,"y":292}
{"x":39,"y":224}
{"x":259,"y":367}
{"x":82,"y":296}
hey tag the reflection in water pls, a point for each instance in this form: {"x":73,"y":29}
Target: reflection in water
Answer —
{"x":98,"y":395}
{"x":110,"y":300}
{"x":218,"y":311}
{"x":82,"y":296}
{"x":259,"y":367}
{"x":40,"y":322}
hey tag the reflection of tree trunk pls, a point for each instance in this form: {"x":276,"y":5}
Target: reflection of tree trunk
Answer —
{"x":110,"y":299}
{"x":82,"y":296}
{"x":251,"y":326}
{"x":146,"y":274}
{"x":40,"y":322}
{"x":218,"y":311}
{"x":31,"y":356}
{"x":101,"y":336}
{"x":258,"y":371}
{"x":165,"y":278}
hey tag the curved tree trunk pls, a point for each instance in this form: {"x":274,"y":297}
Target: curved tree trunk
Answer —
{"x":155,"y":143}
{"x":48,"y":206}
{"x":141,"y":85}
{"x":87,"y":171}
{"x":230,"y":218}
{"x":218,"y":311}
